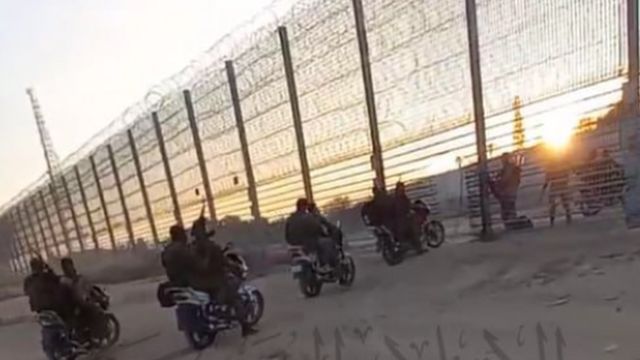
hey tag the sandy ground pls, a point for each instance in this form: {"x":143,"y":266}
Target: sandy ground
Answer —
{"x":563,"y":293}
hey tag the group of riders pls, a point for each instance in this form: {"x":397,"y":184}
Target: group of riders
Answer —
{"x":396,"y":213}
{"x":70,"y":295}
{"x":198,"y":262}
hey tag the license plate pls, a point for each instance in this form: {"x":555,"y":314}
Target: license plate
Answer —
{"x":296,"y":269}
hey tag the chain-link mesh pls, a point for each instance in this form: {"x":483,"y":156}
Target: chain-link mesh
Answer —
{"x":552,"y":78}
{"x":221,"y":145}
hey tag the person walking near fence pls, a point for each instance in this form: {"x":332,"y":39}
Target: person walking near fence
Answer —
{"x":505,"y":189}
{"x":557,"y":174}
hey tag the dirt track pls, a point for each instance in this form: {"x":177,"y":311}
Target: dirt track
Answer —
{"x":570,"y":293}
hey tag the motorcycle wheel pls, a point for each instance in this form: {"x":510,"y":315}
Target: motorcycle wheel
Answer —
{"x":348,"y":272}
{"x":434,"y":234}
{"x":391,"y":255}
{"x":256,"y":307}
{"x":112,"y":330}
{"x":200,"y":340}
{"x":310,"y":285}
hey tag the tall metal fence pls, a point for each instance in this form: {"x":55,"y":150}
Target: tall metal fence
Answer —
{"x":319,"y":98}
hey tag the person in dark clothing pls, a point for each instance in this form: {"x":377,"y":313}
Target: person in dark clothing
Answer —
{"x":177,"y":258}
{"x":332,"y":237}
{"x":557,"y":181}
{"x":88,"y":314}
{"x":304,"y":229}
{"x":613,"y":177}
{"x":211,"y":273}
{"x":380,"y":211}
{"x":405,"y":227}
{"x":505,"y":189}
{"x":45,"y":292}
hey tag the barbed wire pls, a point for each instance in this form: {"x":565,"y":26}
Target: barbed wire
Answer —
{"x":549,"y":54}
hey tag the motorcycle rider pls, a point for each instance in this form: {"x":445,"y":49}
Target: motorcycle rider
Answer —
{"x":333,"y":235}
{"x":88,"y":313}
{"x":406,"y":227}
{"x":380,"y":210}
{"x":212,"y":275}
{"x":177,"y":258}
{"x":304,"y":229}
{"x":45,"y":292}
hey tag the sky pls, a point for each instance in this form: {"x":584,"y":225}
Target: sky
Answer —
{"x":88,"y":61}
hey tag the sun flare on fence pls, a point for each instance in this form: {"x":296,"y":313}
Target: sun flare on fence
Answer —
{"x":558,"y":132}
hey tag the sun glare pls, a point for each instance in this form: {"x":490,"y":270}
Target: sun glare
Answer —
{"x":557,"y":133}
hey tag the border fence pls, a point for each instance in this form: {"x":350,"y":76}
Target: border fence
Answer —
{"x":320,"y":98}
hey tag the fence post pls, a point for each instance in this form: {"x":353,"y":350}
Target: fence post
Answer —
{"x":197,"y":143}
{"x":85,"y":203}
{"x":56,"y":205}
{"x":632,"y":46}
{"x":167,"y":168}
{"x":74,"y":216}
{"x":46,"y":249}
{"x":478,"y":113}
{"x":295,"y":111}
{"x":47,"y":217}
{"x":123,"y":201}
{"x":363,"y":46}
{"x":235,"y":99}
{"x":103,"y":203}
{"x":143,"y":187}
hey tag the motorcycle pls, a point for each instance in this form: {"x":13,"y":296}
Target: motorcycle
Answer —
{"x":62,"y":342}
{"x":201,"y":318}
{"x":311,"y":277}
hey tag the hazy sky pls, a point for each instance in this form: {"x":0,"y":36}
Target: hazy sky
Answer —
{"x":88,"y":61}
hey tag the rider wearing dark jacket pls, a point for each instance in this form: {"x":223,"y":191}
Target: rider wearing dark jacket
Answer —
{"x":380,"y":211}
{"x":211,"y":273}
{"x":177,"y":258}
{"x":45,"y":291}
{"x":303,"y":228}
{"x":406,"y":228}
{"x":88,"y":314}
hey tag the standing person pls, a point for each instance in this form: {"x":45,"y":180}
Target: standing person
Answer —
{"x":557,"y":181}
{"x":614,"y":181}
{"x":505,"y":189}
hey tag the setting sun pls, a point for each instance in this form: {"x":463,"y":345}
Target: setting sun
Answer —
{"x":557,"y":133}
